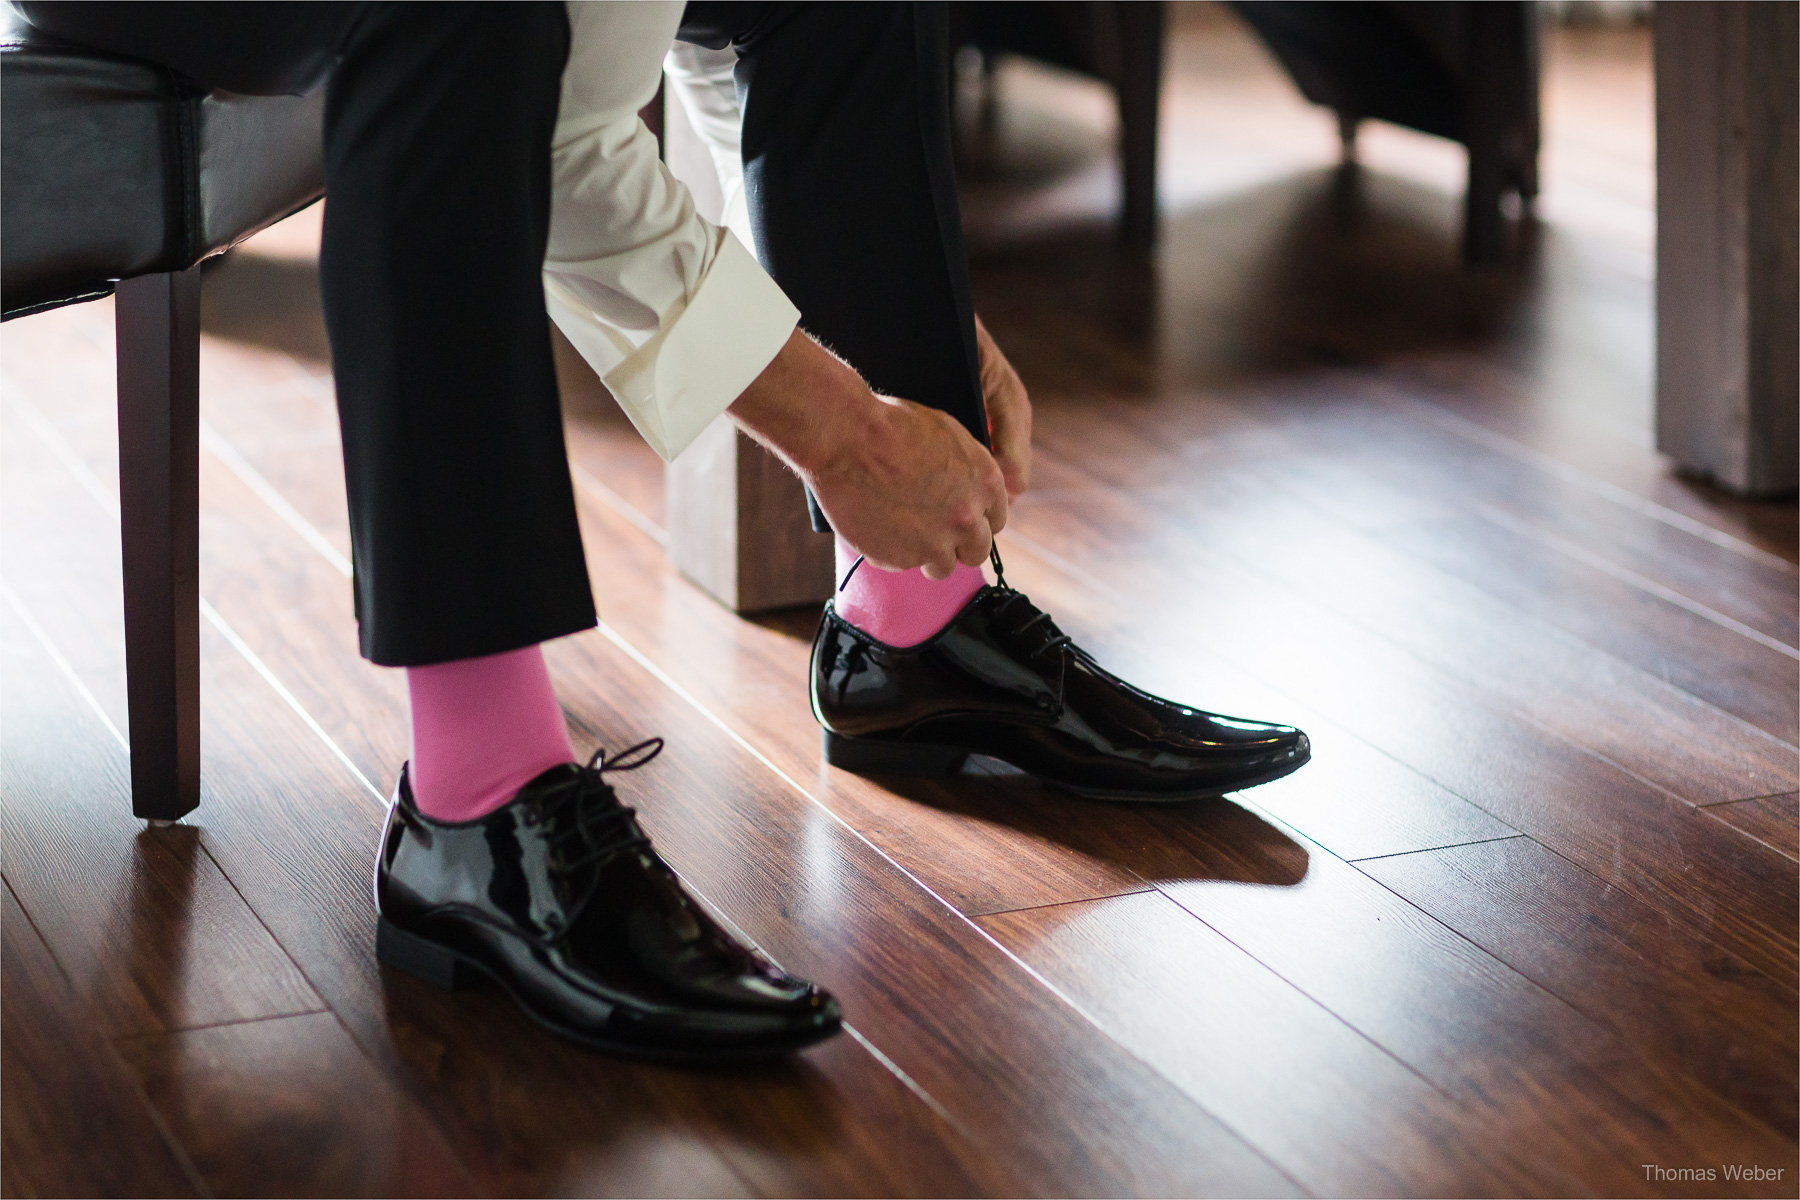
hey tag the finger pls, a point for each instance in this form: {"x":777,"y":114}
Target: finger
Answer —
{"x":1015,"y":465}
{"x":940,"y":569}
{"x":975,"y":545}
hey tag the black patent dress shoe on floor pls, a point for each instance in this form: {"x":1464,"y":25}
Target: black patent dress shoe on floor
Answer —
{"x":1002,"y":681}
{"x":559,"y":898}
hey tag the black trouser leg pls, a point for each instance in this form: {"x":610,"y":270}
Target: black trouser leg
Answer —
{"x":437,"y":149}
{"x":437,"y":135}
{"x":849,"y":175}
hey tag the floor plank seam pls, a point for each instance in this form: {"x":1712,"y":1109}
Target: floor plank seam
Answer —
{"x":1695,"y":919}
{"x":1314,"y":1000}
{"x":174,"y":1144}
{"x":220,"y":448}
{"x":1510,"y":837}
{"x":1746,"y":833}
{"x":145,"y":1035}
{"x":1002,"y":912}
{"x":31,"y":921}
{"x":325,"y":1005}
{"x":62,"y":663}
{"x":261,"y":668}
{"x":1632,"y":578}
{"x":1624,"y":497}
{"x":1692,"y":928}
{"x":1745,"y":799}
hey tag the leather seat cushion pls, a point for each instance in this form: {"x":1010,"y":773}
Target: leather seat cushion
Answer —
{"x":110,"y":169}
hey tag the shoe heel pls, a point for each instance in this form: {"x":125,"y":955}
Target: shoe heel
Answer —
{"x":394,"y":947}
{"x":869,"y":756}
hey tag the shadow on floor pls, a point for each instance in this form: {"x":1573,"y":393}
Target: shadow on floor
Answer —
{"x":1213,"y":840}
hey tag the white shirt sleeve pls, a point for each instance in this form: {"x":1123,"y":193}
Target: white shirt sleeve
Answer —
{"x":705,"y":82}
{"x":672,"y":312}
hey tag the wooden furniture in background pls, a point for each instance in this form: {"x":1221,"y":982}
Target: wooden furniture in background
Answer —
{"x":1464,"y":71}
{"x":115,"y":172}
{"x":736,"y":517}
{"x":1727,"y":290}
{"x":1120,"y":44}
{"x":739,"y":527}
{"x":158,"y":322}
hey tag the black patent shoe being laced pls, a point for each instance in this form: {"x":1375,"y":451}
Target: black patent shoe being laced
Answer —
{"x":559,"y":898}
{"x":1003,"y":681}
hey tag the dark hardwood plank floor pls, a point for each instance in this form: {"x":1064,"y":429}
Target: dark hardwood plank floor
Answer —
{"x":1142,"y":967}
{"x":1678,"y":999}
{"x":1526,"y":923}
{"x":1772,"y":820}
{"x":71,"y":1121}
{"x":211,"y":1087}
{"x":1622,"y":828}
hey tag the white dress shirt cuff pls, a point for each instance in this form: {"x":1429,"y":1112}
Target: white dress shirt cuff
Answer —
{"x":703,"y":356}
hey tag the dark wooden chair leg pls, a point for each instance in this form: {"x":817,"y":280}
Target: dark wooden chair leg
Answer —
{"x":1140,"y":91}
{"x":1500,"y":119}
{"x":158,"y":331}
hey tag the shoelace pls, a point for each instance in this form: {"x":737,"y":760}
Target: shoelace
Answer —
{"x":601,"y":833}
{"x":1014,"y":596}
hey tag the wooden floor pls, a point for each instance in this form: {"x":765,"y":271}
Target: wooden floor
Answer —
{"x":1527,"y":924}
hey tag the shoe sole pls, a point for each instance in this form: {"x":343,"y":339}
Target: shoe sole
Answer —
{"x":925,"y":760}
{"x":447,"y":969}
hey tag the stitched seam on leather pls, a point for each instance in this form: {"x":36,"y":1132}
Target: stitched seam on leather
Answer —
{"x":187,"y":116}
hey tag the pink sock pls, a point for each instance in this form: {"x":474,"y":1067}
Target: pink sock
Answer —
{"x":901,"y":608}
{"x":482,"y":728}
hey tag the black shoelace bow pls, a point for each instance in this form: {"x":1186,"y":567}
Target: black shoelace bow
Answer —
{"x":603,"y":828}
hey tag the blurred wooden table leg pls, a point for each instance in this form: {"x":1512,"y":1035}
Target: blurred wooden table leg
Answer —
{"x":1726,"y":308}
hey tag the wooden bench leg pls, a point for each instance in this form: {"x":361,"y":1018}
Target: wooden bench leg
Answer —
{"x":158,"y":330}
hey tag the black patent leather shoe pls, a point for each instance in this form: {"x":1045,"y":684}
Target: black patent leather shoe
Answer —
{"x":1001,"y":680}
{"x":559,"y":898}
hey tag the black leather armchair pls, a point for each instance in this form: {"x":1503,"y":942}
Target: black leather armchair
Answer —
{"x":120,"y":178}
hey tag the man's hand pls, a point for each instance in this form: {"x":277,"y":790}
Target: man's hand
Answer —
{"x":1008,"y":413}
{"x":905,"y":484}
